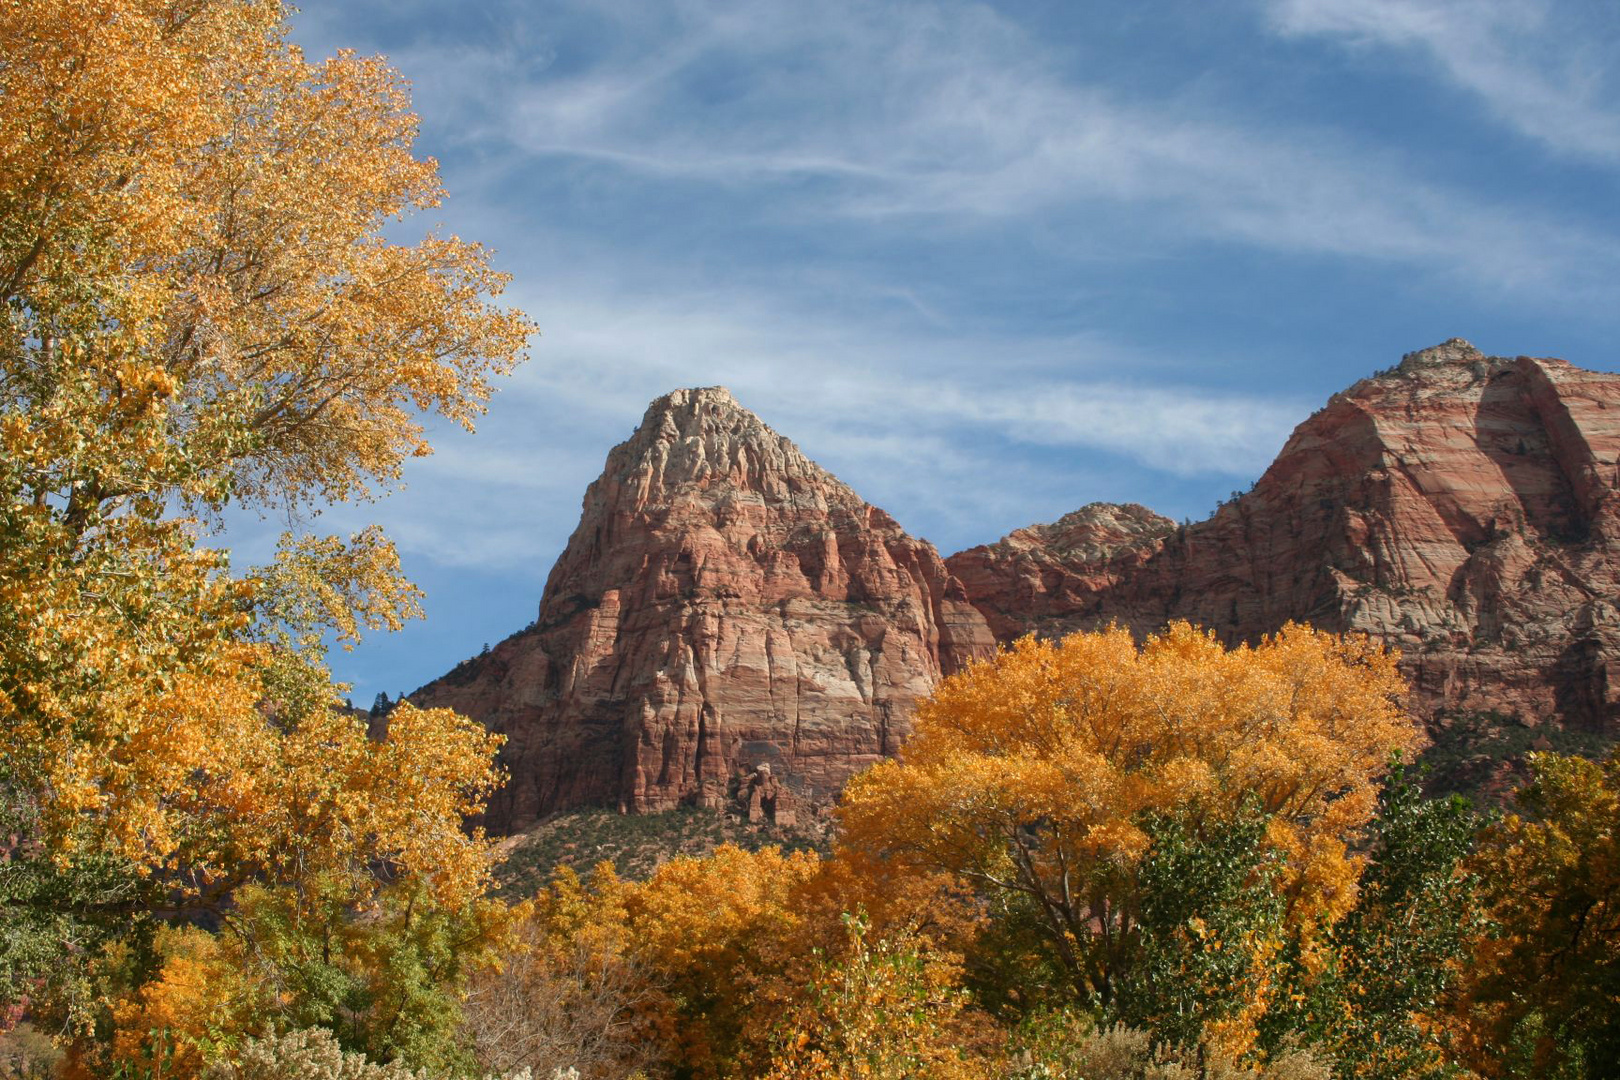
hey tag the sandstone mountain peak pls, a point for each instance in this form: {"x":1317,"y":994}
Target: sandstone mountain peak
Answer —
{"x":718,"y":397}
{"x":1436,"y":374}
{"x":724,"y":604}
{"x":1040,"y":577}
{"x":1463,"y":508}
{"x":1099,"y":528}
{"x":696,"y":410}
{"x":701,"y":440}
{"x":1441,"y":367}
{"x":1451,"y":351}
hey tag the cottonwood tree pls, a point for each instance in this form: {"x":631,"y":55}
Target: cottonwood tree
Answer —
{"x":1542,"y":992}
{"x":204,"y":308}
{"x":886,"y":1010}
{"x":1376,"y":993}
{"x":1053,"y":776}
{"x":571,"y":990}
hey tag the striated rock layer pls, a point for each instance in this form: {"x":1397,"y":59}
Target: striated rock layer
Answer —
{"x":1459,"y":506}
{"x":724,"y":604}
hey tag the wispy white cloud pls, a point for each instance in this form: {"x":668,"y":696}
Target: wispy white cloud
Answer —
{"x":898,"y":118}
{"x":866,"y":379}
{"x":952,"y":116}
{"x":1536,"y":66}
{"x":881,"y":224}
{"x":955,"y":454}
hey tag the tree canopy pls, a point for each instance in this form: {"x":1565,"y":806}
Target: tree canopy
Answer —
{"x":1543,"y":993}
{"x":206,"y":307}
{"x":1060,"y":776}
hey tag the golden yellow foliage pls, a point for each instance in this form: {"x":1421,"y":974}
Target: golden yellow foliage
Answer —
{"x":704,"y":915}
{"x":889,"y":1010}
{"x":172,"y":1021}
{"x":1034,"y":775}
{"x":712,"y":932}
{"x":194,"y":214}
{"x":685,"y":967}
{"x":204,"y":307}
{"x":1539,"y":994}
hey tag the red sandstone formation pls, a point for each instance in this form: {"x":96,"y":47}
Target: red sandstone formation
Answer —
{"x":1051,"y":579}
{"x":1461,"y":507}
{"x":724,"y":604}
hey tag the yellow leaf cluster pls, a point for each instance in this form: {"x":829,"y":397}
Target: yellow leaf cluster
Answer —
{"x":888,"y":1010}
{"x":202,"y":307}
{"x":194,"y":212}
{"x":1032,"y":774}
{"x":172,"y":1022}
{"x":1538,"y":994}
{"x":205,"y":305}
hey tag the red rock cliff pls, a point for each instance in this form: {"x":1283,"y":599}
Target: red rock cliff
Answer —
{"x":724,"y":603}
{"x":1461,"y":507}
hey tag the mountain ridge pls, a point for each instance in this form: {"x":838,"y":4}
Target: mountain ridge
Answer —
{"x":727,"y":604}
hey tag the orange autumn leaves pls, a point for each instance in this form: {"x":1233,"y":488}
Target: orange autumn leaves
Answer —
{"x":189,"y":203}
{"x":1032,"y":775}
{"x":716,"y":966}
{"x":1045,"y":781}
{"x":207,"y":307}
{"x":203,"y":310}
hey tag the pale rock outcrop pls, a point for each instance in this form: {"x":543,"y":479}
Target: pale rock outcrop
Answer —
{"x":761,"y":797}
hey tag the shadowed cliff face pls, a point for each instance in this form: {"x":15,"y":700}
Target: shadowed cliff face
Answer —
{"x":1460,"y":507}
{"x":724,"y":603}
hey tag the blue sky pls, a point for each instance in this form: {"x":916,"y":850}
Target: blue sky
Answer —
{"x":985,"y":262}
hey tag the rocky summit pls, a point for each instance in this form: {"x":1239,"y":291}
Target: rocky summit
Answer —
{"x":726,"y":604}
{"x":729,"y":625}
{"x":1463,"y":508}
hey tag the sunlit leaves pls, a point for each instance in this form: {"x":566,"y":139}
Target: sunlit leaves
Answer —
{"x":885,"y":1011}
{"x":1038,"y":776}
{"x":195,"y":212}
{"x":206,"y":305}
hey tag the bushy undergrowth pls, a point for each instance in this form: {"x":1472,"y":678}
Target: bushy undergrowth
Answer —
{"x":313,"y":1054}
{"x":1066,"y":1046}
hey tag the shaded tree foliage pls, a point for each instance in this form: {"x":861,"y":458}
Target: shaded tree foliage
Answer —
{"x":1543,"y":993}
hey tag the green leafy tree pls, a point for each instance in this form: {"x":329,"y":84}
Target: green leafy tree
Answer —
{"x":1376,"y":992}
{"x":1211,"y":927}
